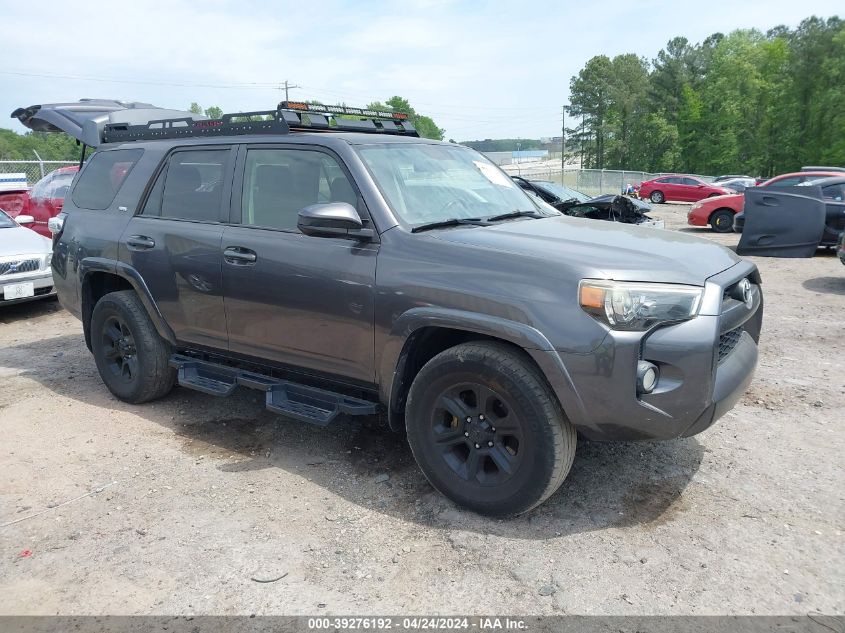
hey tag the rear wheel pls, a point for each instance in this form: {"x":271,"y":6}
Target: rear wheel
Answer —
{"x":722,"y":221}
{"x":657,"y":197}
{"x":486,"y":429}
{"x":132,"y":358}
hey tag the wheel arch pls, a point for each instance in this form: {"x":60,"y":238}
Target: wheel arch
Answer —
{"x":422,"y":333}
{"x":101,"y":276}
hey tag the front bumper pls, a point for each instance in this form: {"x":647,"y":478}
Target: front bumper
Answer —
{"x":695,"y":217}
{"x":42,"y":283}
{"x":698,"y":382}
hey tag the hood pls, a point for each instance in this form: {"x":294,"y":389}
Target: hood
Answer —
{"x":18,"y":240}
{"x":603,"y":250}
{"x":84,"y":119}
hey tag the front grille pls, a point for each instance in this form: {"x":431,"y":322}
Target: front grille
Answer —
{"x":728,"y":341}
{"x":22,"y":266}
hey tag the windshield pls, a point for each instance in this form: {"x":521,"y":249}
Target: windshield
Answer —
{"x":5,"y":221}
{"x":432,"y":183}
{"x":563,"y":193}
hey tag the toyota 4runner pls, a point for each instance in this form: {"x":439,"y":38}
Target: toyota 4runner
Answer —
{"x":334,"y":260}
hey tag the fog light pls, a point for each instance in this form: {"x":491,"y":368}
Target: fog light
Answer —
{"x":647,"y":375}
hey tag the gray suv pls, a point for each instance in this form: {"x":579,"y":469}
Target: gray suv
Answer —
{"x":348,"y":267}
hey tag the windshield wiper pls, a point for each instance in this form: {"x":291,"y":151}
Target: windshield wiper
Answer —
{"x":514,"y":214}
{"x":442,"y":224}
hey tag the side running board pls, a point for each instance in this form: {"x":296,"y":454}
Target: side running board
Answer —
{"x":294,"y":400}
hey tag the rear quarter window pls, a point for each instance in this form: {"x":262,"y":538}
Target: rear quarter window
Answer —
{"x":102,"y":178}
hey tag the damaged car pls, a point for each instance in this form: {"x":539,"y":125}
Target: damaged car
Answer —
{"x":610,"y":207}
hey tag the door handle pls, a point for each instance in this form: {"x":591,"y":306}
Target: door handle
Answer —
{"x":139,"y":243}
{"x":239,"y":255}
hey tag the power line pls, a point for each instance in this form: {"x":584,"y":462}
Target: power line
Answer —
{"x":288,"y":87}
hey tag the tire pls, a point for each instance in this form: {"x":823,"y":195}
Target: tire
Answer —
{"x":131,"y":357}
{"x":722,"y":221}
{"x":657,"y":197}
{"x":492,"y":384}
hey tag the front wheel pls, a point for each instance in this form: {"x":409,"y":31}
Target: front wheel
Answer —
{"x":657,"y":197}
{"x":722,"y":221}
{"x":487,"y":430}
{"x":131,"y":356}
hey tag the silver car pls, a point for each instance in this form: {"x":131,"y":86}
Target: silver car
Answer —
{"x":25,"y":256}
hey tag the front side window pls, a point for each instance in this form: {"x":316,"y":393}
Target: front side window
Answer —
{"x":692,"y":182}
{"x":426,"y":183}
{"x":103,"y":176}
{"x":278,"y":183}
{"x":191,"y":187}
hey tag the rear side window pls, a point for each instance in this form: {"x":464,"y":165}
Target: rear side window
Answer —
{"x":103,"y":176}
{"x":191,"y":187}
{"x":834,"y":192}
{"x":787,"y":182}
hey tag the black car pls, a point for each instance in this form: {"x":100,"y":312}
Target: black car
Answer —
{"x":333,"y":260}
{"x":792,"y":221}
{"x":579,"y":205}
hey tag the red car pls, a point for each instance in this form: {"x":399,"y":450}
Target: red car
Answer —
{"x":679,"y":187}
{"x":719,"y":211}
{"x":43,"y":201}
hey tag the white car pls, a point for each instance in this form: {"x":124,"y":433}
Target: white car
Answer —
{"x":25,"y":256}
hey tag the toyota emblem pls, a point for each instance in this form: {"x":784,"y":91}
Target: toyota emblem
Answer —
{"x":745,"y":289}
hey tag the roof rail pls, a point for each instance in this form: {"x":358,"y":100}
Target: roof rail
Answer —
{"x":290,"y":116}
{"x":821,"y":168}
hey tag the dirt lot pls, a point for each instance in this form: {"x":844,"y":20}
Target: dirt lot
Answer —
{"x":191,"y":499}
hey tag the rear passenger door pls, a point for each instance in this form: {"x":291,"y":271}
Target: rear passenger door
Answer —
{"x":295,"y":299}
{"x":672,"y":188}
{"x":174,"y":242}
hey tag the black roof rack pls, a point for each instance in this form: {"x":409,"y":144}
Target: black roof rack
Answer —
{"x":290,"y":116}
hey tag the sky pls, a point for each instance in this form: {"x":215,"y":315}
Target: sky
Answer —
{"x":480,"y":69}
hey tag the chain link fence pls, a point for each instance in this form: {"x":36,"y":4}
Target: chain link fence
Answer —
{"x":593,"y":182}
{"x":34,"y":170}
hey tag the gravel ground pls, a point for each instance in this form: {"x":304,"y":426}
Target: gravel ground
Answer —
{"x":183,"y":506}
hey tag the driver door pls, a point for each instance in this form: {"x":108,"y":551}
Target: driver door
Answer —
{"x":295,"y":299}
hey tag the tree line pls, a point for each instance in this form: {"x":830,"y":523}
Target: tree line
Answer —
{"x":746,"y":102}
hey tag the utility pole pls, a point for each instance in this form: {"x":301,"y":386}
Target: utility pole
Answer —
{"x":287,"y":87}
{"x":562,"y":141}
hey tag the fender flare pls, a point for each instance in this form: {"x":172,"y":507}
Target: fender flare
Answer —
{"x":90,"y":265}
{"x":397,"y":346}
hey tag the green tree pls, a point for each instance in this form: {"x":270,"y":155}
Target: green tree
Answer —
{"x":425,"y":126}
{"x":746,"y":101}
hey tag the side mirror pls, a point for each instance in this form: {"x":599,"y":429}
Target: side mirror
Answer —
{"x":332,"y":219}
{"x":25,"y":219}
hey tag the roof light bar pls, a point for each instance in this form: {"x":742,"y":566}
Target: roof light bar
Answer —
{"x":318,"y":108}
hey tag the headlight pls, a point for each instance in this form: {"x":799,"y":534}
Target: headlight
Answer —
{"x":638,"y":306}
{"x":48,"y":259}
{"x":697,"y":205}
